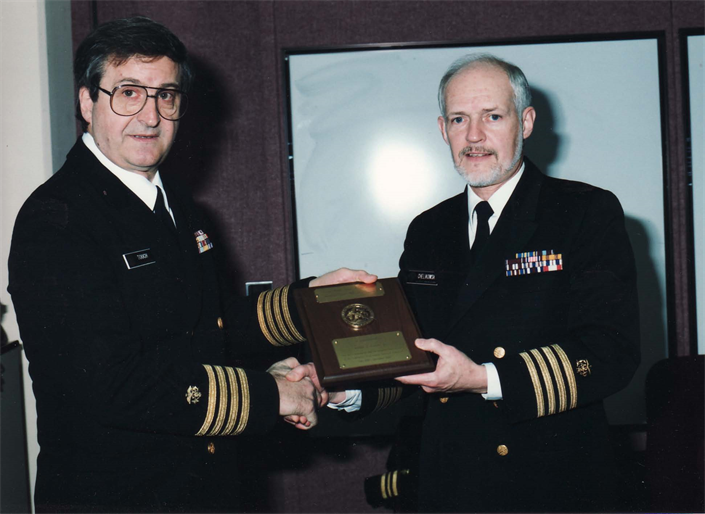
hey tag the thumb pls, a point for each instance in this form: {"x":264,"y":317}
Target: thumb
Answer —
{"x":363,"y":276}
{"x":430,"y":345}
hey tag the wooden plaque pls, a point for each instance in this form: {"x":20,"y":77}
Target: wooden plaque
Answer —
{"x":361,"y":332}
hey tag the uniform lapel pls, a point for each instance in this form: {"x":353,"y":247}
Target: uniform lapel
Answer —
{"x":127,"y":210}
{"x":130,"y":212}
{"x":189,"y":269}
{"x":515,"y":227}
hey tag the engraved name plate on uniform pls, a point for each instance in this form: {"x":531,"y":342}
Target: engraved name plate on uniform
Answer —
{"x":361,"y":332}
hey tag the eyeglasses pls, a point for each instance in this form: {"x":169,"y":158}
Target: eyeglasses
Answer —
{"x":128,"y":100}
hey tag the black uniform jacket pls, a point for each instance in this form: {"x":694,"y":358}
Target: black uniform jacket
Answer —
{"x":133,"y":348}
{"x":552,"y":302}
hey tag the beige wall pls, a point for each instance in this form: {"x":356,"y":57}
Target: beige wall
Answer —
{"x":31,"y":123}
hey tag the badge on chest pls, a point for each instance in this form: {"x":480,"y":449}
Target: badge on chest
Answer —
{"x":139,"y":258}
{"x":421,"y":278}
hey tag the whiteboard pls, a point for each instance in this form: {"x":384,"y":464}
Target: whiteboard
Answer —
{"x":368,"y":156}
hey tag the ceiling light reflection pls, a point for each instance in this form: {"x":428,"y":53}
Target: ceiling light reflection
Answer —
{"x":402,"y":179}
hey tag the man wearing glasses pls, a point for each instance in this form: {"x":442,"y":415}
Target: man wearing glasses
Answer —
{"x":131,"y":340}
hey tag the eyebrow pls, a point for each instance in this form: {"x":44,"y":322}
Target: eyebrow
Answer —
{"x":136,"y":82}
{"x":463,"y":113}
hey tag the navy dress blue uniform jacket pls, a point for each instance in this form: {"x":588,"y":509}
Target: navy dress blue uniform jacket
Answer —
{"x":562,"y":339}
{"x":133,"y":348}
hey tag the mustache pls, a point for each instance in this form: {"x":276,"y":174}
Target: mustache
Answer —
{"x":475,"y":149}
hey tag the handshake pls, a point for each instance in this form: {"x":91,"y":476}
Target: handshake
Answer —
{"x":300,"y":392}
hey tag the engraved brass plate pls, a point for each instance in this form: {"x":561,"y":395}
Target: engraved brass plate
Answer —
{"x":357,"y":315}
{"x":348,"y":292}
{"x":384,"y":348}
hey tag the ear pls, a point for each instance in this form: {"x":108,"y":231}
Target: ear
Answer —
{"x":442,"y":128}
{"x":528,"y":117}
{"x":84,"y":99}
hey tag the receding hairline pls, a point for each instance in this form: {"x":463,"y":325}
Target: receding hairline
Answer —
{"x":521,"y":92}
{"x":473,"y":66}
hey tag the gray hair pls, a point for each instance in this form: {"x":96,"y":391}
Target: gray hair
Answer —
{"x":520,"y":86}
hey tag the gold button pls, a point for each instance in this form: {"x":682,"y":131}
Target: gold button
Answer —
{"x":443,"y":400}
{"x":502,"y":450}
{"x":499,"y":352}
{"x":220,"y":323}
{"x":495,"y":405}
{"x":211,"y":448}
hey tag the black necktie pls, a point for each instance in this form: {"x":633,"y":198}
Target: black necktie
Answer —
{"x":482,"y":230}
{"x":160,"y":210}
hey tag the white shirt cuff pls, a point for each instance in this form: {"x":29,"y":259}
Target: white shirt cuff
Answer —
{"x":352,"y":402}
{"x":494,"y":387}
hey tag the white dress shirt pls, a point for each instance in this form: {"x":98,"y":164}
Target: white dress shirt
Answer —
{"x":135,"y":182}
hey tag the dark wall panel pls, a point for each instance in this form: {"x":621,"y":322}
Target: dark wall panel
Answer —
{"x":232,"y":146}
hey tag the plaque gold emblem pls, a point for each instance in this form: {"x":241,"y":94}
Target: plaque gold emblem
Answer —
{"x":357,"y":315}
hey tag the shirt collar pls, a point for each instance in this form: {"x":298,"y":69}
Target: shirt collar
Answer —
{"x":138,"y":184}
{"x":500,"y":197}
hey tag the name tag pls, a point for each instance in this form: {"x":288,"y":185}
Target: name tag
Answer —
{"x":139,"y":258}
{"x":421,"y":278}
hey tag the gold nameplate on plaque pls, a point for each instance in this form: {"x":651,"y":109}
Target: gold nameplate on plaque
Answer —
{"x":356,"y":352}
{"x":348,"y":292}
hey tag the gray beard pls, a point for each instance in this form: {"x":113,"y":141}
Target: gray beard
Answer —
{"x":496,"y":174}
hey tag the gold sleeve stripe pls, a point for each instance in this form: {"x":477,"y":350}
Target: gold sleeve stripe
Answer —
{"x":287,"y":316}
{"x":537,"y":385}
{"x":569,"y":375}
{"x":270,"y":318}
{"x":222,"y":400}
{"x":234,"y":403}
{"x":560,"y":383}
{"x":245,"y":410}
{"x":381,"y":398}
{"x":387,"y":396}
{"x":395,"y":491}
{"x":397,"y":395}
{"x":280,"y":320}
{"x":210,"y":413}
{"x":262,"y":322}
{"x":383,"y":486}
{"x":550,"y":392}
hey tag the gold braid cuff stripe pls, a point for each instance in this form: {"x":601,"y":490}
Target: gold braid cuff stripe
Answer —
{"x":560,"y":383}
{"x":262,"y":323}
{"x":280,"y":319}
{"x":287,"y":316}
{"x":234,"y":403}
{"x":569,"y":375}
{"x":275,"y":319}
{"x":223,"y":400}
{"x":387,"y":396}
{"x":245,"y":411}
{"x":537,"y":385}
{"x":270,"y":319}
{"x":210,"y":413}
{"x":550,"y":392}
{"x":388,"y":484}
